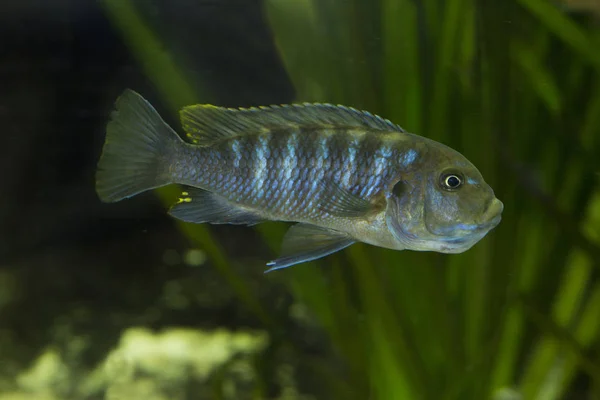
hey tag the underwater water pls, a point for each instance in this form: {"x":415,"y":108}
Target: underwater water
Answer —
{"x":122,"y":301}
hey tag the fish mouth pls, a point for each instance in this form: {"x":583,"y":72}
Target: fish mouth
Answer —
{"x":490,"y":219}
{"x":493,"y":214}
{"x":455,"y":238}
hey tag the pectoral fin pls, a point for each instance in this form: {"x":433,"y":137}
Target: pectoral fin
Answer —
{"x":304,"y":242}
{"x":340,"y":202}
{"x":200,"y":206}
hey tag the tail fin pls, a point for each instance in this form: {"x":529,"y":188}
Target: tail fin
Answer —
{"x":138,"y":143}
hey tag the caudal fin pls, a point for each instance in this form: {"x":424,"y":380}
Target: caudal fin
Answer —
{"x":138,"y":143}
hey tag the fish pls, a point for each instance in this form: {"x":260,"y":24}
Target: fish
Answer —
{"x":341,"y":175}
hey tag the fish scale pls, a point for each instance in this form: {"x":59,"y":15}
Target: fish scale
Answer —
{"x":279,"y":169}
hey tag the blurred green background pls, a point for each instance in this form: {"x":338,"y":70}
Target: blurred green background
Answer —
{"x":132,"y":305}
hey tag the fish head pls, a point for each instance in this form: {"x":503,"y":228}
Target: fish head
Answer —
{"x":444,"y":206}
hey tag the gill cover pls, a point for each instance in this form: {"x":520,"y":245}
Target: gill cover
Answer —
{"x":401,"y":214}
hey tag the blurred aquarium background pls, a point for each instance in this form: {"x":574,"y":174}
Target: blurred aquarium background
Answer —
{"x":120,"y":301}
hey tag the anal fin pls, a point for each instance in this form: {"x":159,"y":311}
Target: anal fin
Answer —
{"x":201,"y":206}
{"x":304,"y":242}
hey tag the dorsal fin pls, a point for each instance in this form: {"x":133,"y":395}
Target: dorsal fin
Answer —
{"x":205,"y":124}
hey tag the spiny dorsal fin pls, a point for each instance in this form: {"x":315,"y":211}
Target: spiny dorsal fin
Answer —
{"x":205,"y":124}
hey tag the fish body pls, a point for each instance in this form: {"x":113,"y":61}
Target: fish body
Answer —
{"x":283,"y":176}
{"x":343,"y":175}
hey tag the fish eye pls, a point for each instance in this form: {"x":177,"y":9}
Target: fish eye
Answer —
{"x":451,"y":181}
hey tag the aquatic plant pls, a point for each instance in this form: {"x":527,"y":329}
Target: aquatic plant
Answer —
{"x":515,"y":86}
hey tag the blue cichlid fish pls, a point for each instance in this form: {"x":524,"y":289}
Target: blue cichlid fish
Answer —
{"x":344,"y":175}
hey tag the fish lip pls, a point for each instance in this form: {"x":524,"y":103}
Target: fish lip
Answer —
{"x":495,"y":221}
{"x":494,"y":214}
{"x":490,"y":223}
